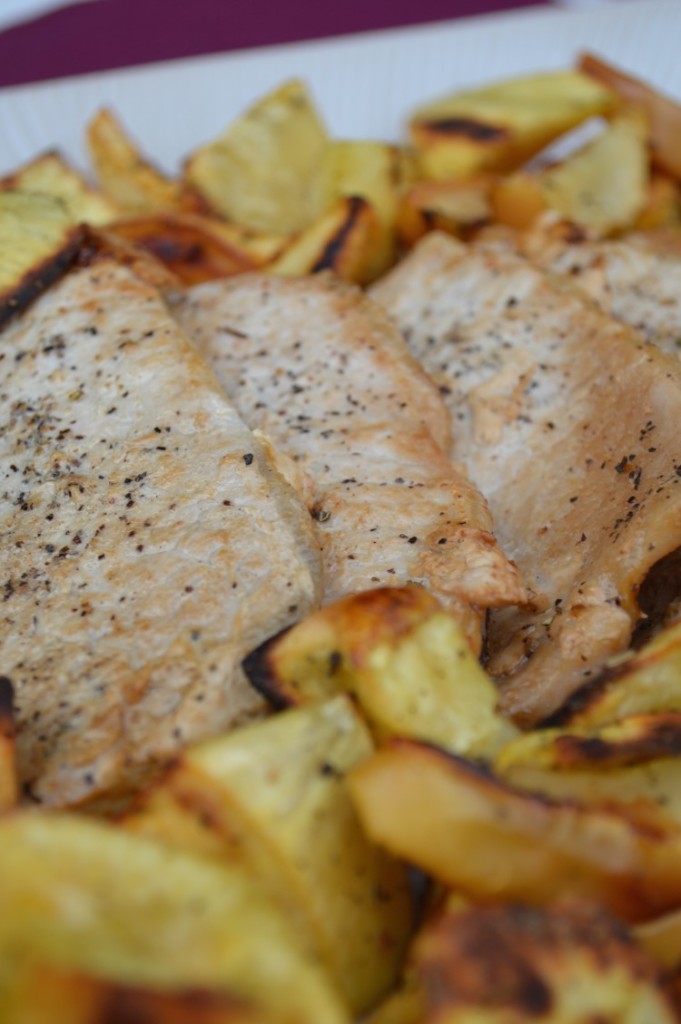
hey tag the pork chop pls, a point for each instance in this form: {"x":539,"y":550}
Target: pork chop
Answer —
{"x":320,"y":369}
{"x":627,"y":278}
{"x":567,"y":422}
{"x":147,"y":541}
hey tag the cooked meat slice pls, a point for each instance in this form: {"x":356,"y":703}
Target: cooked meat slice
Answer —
{"x":568,"y":424}
{"x":148,"y":544}
{"x":319,"y":369}
{"x":627,"y":278}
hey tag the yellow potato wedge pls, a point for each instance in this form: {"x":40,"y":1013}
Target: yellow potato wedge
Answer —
{"x":457,"y":207}
{"x":663,"y":113}
{"x":662,"y":938}
{"x":51,"y":175}
{"x":662,"y":204}
{"x":634,"y":763}
{"x":517,"y":200}
{"x":604,"y":185}
{"x":266,"y":171}
{"x":642,"y":682}
{"x":125,"y":175}
{"x":404,"y":1006}
{"x":511,"y":964}
{"x":634,"y":740}
{"x":402,"y":656}
{"x":344,"y":239}
{"x":272,"y":796}
{"x":87,"y":898}
{"x":44,"y":995}
{"x":375,"y":172}
{"x":479,"y":835}
{"x":187,"y":244}
{"x":500,"y":126}
{"x":38,"y":243}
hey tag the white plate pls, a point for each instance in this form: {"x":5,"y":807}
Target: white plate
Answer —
{"x":364,"y":85}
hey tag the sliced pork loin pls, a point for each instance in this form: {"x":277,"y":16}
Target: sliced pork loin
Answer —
{"x":629,"y":278}
{"x":320,"y":369}
{"x":568,"y":423}
{"x":148,"y":542}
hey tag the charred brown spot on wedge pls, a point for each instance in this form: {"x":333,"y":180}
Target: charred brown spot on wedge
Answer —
{"x":260,"y":667}
{"x":186,"y":245}
{"x":131,"y":1006}
{"x":7,"y":723}
{"x":9,"y":789}
{"x":642,"y":682}
{"x":313,"y":655}
{"x":493,"y":842}
{"x":526,"y":962}
{"x":335,"y":247}
{"x":463,"y":127}
{"x":659,"y":736}
{"x":38,"y":244}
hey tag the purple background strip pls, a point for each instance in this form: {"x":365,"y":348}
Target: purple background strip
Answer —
{"x":117,"y":33}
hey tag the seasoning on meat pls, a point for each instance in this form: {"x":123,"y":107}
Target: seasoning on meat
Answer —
{"x":318,"y":368}
{"x":147,"y":541}
{"x":567,"y":422}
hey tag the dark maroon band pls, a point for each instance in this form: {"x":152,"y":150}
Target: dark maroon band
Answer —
{"x":106,"y":34}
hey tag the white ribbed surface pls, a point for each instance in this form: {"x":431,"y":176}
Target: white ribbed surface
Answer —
{"x":364,"y":85}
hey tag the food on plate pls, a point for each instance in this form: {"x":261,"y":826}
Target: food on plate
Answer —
{"x":277,"y":170}
{"x":320,"y":370}
{"x":640,"y":682}
{"x":499,"y":127}
{"x":263,"y":171}
{"x":542,"y":386}
{"x":188,"y":244}
{"x":458,"y":799}
{"x":603,"y":186}
{"x":492,"y":841}
{"x":663,"y":114}
{"x":401,"y":656}
{"x":151,"y":542}
{"x":628,"y":278}
{"x":84,"y":897}
{"x":127,"y":177}
{"x":514,"y":963}
{"x":51,"y":175}
{"x":459,"y":207}
{"x":38,"y":241}
{"x":343,"y":239}
{"x":48,"y":995}
{"x":272,"y":797}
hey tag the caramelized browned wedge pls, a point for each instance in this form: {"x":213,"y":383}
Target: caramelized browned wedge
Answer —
{"x":342,"y":239}
{"x":457,"y":207}
{"x":567,"y":963}
{"x":48,"y":995}
{"x":38,"y":243}
{"x":401,"y":655}
{"x":187,"y":245}
{"x":500,"y":126}
{"x":645,"y":682}
{"x":470,"y":830}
